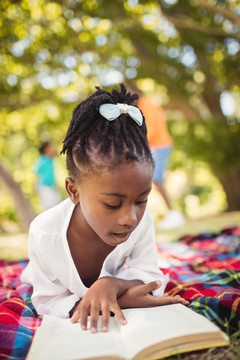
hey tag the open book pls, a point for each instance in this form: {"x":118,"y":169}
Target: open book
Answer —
{"x":150,"y":333}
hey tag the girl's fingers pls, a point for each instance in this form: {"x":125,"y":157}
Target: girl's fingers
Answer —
{"x":76,"y":316}
{"x":181,"y":300}
{"x":105,"y":318}
{"x":119,"y":314}
{"x":165,"y":294}
{"x":94,"y":318}
{"x":84,"y":317}
{"x":151,"y":286}
{"x":185,"y":302}
{"x":165,"y":300}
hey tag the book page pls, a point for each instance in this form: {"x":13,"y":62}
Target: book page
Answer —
{"x":59,"y":339}
{"x":156,"y":325}
{"x":170,"y":326}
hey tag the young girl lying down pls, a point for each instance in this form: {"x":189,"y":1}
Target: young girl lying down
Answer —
{"x":95,"y":252}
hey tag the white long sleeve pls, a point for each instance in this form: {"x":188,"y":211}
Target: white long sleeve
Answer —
{"x":50,"y":296}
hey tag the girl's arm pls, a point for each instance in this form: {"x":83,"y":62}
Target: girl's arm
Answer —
{"x":49,"y":296}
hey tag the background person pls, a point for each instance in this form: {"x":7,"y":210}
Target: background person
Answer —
{"x":44,"y":168}
{"x":161,"y":145}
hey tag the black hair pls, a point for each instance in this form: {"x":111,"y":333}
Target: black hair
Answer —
{"x":43,"y":147}
{"x":90,"y":137}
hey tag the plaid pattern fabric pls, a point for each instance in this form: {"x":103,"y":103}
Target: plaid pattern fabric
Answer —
{"x":204,"y":269}
{"x":18,"y":318}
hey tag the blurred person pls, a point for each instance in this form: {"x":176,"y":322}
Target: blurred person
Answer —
{"x":44,"y":168}
{"x":161,"y":145}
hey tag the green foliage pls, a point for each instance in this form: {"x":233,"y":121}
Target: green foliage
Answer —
{"x":217,"y":145}
{"x":53,"y":54}
{"x":7,"y":212}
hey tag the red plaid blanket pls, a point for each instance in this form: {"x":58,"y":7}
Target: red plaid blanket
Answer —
{"x":204,"y":269}
{"x":18,"y":319}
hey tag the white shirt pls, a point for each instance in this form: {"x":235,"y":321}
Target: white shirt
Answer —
{"x":51,"y":271}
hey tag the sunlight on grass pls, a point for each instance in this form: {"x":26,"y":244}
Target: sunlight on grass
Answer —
{"x":193,"y":227}
{"x":200,"y":221}
{"x":14,"y":246}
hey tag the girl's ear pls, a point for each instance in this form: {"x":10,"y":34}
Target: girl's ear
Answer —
{"x":72,"y":190}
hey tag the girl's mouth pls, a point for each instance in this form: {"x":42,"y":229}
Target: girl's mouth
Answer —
{"x":121,"y":237}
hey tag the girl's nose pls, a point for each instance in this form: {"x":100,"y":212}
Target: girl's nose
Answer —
{"x":128,"y":217}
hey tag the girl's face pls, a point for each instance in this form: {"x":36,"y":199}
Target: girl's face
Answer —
{"x":112,"y":203}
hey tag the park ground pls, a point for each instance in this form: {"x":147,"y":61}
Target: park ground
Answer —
{"x":13,"y":244}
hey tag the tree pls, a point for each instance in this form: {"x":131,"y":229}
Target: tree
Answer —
{"x":211,"y":31}
{"x":54,"y":53}
{"x":23,"y":206}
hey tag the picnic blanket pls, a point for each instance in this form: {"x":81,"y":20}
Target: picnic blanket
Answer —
{"x":204,"y":269}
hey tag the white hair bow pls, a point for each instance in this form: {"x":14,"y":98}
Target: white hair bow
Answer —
{"x":112,"y":112}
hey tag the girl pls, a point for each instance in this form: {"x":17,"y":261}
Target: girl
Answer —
{"x":95,"y":252}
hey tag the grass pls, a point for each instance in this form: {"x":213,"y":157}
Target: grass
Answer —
{"x":231,"y":352}
{"x":196,"y":226}
{"x":13,"y":247}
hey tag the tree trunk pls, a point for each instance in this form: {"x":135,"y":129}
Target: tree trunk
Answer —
{"x":231,"y":186}
{"x":23,"y":206}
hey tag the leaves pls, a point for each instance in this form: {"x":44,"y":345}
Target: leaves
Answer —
{"x":54,"y":53}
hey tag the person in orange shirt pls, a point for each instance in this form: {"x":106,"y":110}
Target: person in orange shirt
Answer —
{"x":161,"y":145}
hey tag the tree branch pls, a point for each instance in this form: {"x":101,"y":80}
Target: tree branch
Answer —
{"x":22,"y":204}
{"x":221,"y":10}
{"x":182,"y":105}
{"x":184,"y":22}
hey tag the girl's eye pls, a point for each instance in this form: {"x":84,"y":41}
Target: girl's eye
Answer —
{"x":112,"y":206}
{"x":141,"y":202}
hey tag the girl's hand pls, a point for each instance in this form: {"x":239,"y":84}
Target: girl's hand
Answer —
{"x":101,"y":298}
{"x":140,"y":296}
